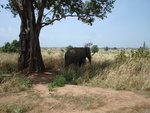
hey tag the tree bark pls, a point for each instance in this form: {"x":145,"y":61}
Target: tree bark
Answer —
{"x":30,"y":52}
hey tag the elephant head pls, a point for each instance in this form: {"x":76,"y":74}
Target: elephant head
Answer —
{"x":77,"y":56}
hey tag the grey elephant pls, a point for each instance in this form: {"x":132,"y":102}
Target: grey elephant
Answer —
{"x":77,"y":56}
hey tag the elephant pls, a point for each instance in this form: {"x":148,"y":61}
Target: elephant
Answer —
{"x":77,"y":56}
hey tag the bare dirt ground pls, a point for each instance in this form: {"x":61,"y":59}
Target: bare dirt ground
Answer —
{"x":80,"y":99}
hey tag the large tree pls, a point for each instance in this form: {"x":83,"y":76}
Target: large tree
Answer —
{"x":36,"y":14}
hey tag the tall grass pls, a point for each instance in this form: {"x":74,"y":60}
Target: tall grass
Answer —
{"x":53,"y":58}
{"x":129,"y":72}
{"x":118,"y":69}
{"x":126,"y":70}
{"x":8,"y":62}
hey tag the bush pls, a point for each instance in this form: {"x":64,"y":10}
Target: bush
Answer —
{"x":121,"y":57}
{"x":58,"y":81}
{"x":106,"y":48}
{"x":94,"y":49}
{"x":88,"y":44}
{"x":142,"y":52}
{"x":69,"y":47}
{"x":11,"y":47}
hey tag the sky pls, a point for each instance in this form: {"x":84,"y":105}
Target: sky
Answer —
{"x":127,"y":26}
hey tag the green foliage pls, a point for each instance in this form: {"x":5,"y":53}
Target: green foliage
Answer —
{"x":69,"y":76}
{"x":94,"y":49}
{"x":142,"y":52}
{"x":121,"y":57}
{"x":69,"y":47}
{"x":58,"y":81}
{"x":86,"y":11}
{"x":88,"y":44}
{"x":49,"y":52}
{"x":62,"y":50}
{"x":114,"y":48}
{"x":106,"y":48}
{"x":76,"y":75}
{"x":11,"y":47}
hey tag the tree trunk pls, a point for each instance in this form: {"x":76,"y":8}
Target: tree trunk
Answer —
{"x":30,"y":52}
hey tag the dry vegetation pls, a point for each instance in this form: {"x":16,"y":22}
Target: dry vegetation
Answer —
{"x":117,"y":69}
{"x":8,"y":62}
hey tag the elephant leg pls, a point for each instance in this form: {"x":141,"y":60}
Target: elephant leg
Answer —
{"x":66,"y":65}
{"x":84,"y":61}
{"x":80,"y":63}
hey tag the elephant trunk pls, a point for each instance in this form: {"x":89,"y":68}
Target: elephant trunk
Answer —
{"x":89,"y":57}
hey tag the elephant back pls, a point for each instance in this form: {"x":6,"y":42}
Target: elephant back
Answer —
{"x":77,"y":56}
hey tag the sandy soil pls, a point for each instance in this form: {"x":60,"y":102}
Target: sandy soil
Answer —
{"x":114,"y":101}
{"x":82,"y":99}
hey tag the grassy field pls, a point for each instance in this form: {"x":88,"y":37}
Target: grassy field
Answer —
{"x":122,"y":69}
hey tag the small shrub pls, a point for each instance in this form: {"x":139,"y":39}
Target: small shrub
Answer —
{"x":49,"y":52}
{"x":88,"y":44}
{"x":94,"y":49}
{"x":69,"y":47}
{"x":114,"y":48}
{"x":58,"y":81}
{"x":11,"y":47}
{"x":142,"y":52}
{"x":77,"y":75}
{"x":121,"y":57}
{"x":106,"y":48}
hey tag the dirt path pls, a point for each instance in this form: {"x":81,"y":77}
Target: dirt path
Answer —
{"x":112,"y":101}
{"x":79,"y":99}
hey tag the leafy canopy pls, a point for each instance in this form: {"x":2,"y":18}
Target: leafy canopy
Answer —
{"x":55,"y":10}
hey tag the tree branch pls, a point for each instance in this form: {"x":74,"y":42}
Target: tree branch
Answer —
{"x":41,"y":10}
{"x":36,"y":5}
{"x":51,"y":22}
{"x":58,"y":19}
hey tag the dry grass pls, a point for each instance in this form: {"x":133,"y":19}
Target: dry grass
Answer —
{"x":81,"y":102}
{"x":131,"y":74}
{"x":136,"y":109}
{"x":53,"y":58}
{"x":19,"y":105}
{"x":14,"y":84}
{"x":105,"y":55}
{"x":8,"y":62}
